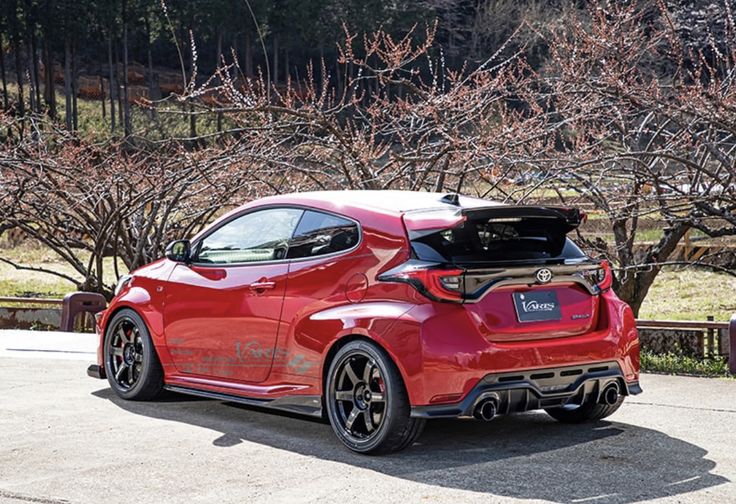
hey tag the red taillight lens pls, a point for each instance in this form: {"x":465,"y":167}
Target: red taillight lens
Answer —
{"x":600,"y":276}
{"x":607,"y":280}
{"x":438,"y":284}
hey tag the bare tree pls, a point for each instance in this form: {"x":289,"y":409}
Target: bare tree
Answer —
{"x":642,"y":131}
{"x":87,"y":201}
{"x":626,"y":121}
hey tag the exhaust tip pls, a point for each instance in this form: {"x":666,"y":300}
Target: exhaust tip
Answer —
{"x":610,"y":394}
{"x":486,"y":409}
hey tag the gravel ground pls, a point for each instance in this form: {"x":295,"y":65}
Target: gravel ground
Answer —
{"x":65,"y":437}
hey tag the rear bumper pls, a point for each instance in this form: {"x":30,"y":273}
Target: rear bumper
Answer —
{"x":519,"y":391}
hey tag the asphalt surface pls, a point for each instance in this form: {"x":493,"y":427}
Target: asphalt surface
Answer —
{"x":65,"y":437}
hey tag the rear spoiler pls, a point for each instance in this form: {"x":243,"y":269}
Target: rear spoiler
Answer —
{"x":423,"y":222}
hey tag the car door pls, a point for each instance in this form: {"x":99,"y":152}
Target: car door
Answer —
{"x":222,"y":311}
{"x":326,"y":270}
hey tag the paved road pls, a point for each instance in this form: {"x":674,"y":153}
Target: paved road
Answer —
{"x":65,"y":437}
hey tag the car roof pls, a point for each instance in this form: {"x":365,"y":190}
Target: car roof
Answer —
{"x":387,"y":201}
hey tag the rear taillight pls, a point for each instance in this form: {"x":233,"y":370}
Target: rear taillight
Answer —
{"x":600,"y":277}
{"x":431,"y":280}
{"x":607,"y":280}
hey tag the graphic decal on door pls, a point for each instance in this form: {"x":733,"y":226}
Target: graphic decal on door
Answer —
{"x":250,"y":354}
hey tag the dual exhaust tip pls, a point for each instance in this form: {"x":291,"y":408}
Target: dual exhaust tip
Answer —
{"x":487,"y":408}
{"x":610,"y":394}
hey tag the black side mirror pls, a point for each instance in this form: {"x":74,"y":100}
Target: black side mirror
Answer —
{"x":179,"y":251}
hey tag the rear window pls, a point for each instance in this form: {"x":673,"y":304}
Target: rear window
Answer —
{"x":499,"y":241}
{"x":320,"y":233}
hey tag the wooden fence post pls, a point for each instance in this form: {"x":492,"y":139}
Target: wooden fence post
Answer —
{"x":732,"y":345}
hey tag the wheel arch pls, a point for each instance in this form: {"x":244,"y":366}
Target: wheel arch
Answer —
{"x":340,"y":342}
{"x":110,"y":315}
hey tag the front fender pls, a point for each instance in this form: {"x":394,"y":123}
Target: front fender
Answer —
{"x":141,"y":296}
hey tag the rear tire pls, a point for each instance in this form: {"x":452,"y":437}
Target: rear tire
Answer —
{"x":590,"y":411}
{"x":367,"y":403}
{"x":132,"y":366}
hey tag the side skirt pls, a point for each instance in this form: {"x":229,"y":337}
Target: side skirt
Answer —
{"x":308,"y":405}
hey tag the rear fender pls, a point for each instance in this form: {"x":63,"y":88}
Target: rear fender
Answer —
{"x":374,"y":321}
{"x":621,"y":320}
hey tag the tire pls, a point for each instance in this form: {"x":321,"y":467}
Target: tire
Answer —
{"x":367,"y":405}
{"x":132,"y":366}
{"x":589,"y":411}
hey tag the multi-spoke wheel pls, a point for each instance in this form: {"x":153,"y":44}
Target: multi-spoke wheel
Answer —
{"x":131,"y":364}
{"x":366,"y":401}
{"x":126,"y":353}
{"x":360,"y":396}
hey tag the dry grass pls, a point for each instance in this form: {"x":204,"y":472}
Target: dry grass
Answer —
{"x":690,"y":294}
{"x":24,"y":283}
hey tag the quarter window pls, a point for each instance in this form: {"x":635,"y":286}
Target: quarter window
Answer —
{"x":258,"y":236}
{"x":320,"y":233}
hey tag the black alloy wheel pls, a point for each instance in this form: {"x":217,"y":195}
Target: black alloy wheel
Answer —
{"x":360,"y":396}
{"x":125,"y":353}
{"x":131,"y":363}
{"x":367,"y":403}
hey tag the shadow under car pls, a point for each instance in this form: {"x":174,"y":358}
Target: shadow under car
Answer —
{"x":527,"y":456}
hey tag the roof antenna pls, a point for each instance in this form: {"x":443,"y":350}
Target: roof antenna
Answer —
{"x":451,"y":199}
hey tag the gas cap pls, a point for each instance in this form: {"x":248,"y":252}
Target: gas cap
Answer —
{"x":356,"y":288}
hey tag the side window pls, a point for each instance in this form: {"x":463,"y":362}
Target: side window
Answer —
{"x":320,"y":233}
{"x":258,"y":236}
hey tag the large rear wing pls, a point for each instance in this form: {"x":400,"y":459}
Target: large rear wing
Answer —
{"x":422,"y":222}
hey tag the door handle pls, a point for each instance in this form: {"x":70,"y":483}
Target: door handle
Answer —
{"x":262,"y":285}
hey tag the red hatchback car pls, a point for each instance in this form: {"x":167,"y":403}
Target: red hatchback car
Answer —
{"x":378,"y":310}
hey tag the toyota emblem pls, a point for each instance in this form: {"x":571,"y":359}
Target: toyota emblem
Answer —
{"x":543,"y":276}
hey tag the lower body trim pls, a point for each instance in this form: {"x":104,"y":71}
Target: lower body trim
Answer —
{"x":533,"y":389}
{"x":309,"y":405}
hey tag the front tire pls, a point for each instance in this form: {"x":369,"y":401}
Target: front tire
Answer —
{"x":131,"y":363}
{"x":367,"y":403}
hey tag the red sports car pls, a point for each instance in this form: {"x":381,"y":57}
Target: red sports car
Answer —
{"x":379,"y":310}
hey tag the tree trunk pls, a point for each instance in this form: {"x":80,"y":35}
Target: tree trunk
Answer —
{"x":49,"y":86}
{"x":152,"y":95}
{"x":102,"y":95}
{"x":248,"y":56}
{"x":4,"y":78}
{"x":633,"y":284}
{"x":68,"y":83}
{"x":118,"y":94}
{"x":275,"y":66}
{"x":32,"y":105}
{"x":126,"y":95}
{"x":34,"y":66}
{"x":19,"y":79}
{"x":217,"y":64}
{"x":111,"y":84}
{"x":75,"y":88}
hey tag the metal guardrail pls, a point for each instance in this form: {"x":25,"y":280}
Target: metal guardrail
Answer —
{"x":680,"y":324}
{"x":28,"y":300}
{"x":47,"y":314}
